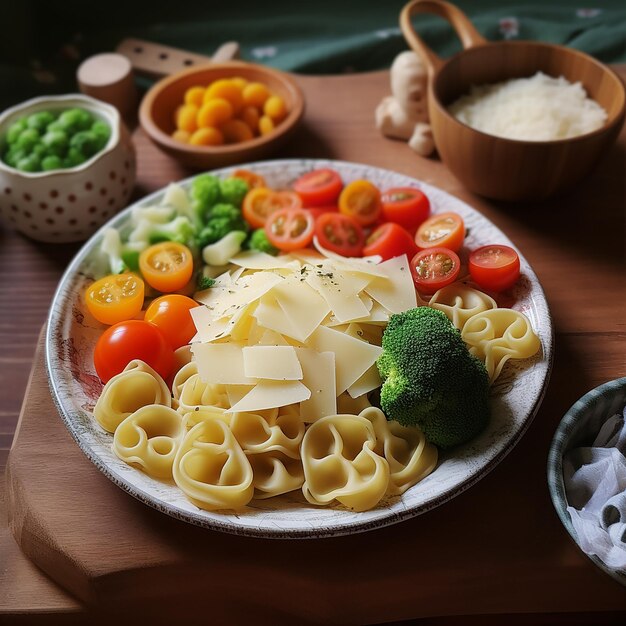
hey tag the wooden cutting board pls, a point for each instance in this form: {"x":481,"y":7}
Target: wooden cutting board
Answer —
{"x":498,"y":548}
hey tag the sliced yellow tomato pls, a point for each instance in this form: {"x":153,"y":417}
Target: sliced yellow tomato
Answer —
{"x":166,"y":266}
{"x":115,"y":298}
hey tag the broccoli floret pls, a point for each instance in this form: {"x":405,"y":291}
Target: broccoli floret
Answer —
{"x":430,"y":378}
{"x":259,"y":241}
{"x":233,"y":190}
{"x":205,"y":192}
{"x":204,"y":282}
{"x":220,"y":252}
{"x":223,"y":219}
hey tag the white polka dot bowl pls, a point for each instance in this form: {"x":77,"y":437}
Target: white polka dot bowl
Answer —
{"x":66,"y":205}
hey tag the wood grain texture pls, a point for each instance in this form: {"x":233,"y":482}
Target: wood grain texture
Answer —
{"x":459,"y":545}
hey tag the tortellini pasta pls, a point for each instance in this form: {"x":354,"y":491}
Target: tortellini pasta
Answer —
{"x":137,"y":386}
{"x":149,"y":438}
{"x":182,"y":376}
{"x":498,"y":335}
{"x":196,"y":394}
{"x":275,"y":473}
{"x":340,"y":463}
{"x":211,"y":468}
{"x":409,"y":455}
{"x":460,"y":302}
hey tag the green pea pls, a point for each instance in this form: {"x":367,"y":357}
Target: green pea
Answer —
{"x":39,"y":121}
{"x":74,"y":157}
{"x":74,"y":120}
{"x":30,"y":163}
{"x":55,"y":141}
{"x":55,"y":126}
{"x":40,"y":150}
{"x":27,"y":139}
{"x":52,"y":162}
{"x":14,"y":154}
{"x":13,"y":132}
{"x":102,"y":131}
{"x":86,"y":142}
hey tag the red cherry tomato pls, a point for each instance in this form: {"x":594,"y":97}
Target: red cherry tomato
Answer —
{"x":406,"y":206}
{"x":434,"y":268}
{"x":319,"y":187}
{"x":340,"y":233}
{"x":390,"y":240}
{"x":170,"y":314}
{"x":290,"y":229}
{"x":133,"y":339}
{"x":445,"y":230}
{"x":494,"y":267}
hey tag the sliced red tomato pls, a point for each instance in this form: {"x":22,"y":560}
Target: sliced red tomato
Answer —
{"x":166,"y":266}
{"x":115,"y":298}
{"x":253,"y":179}
{"x":494,"y":267}
{"x":406,"y":206}
{"x":390,"y":240}
{"x":434,"y":268}
{"x":133,"y":339}
{"x":446,"y":230}
{"x":319,"y":187}
{"x":340,"y":233}
{"x":361,"y":201}
{"x":261,"y":202}
{"x":290,"y":229}
{"x":170,"y":314}
{"x":316,"y":211}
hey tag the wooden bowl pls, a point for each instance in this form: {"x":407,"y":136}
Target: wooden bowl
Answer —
{"x":156,"y":114}
{"x":508,"y":169}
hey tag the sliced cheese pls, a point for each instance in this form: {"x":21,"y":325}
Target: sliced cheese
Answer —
{"x":255,"y":260}
{"x":269,"y":394}
{"x":353,"y":357}
{"x":368,"y":382}
{"x":270,"y":338}
{"x":237,"y":392}
{"x":273,"y":362}
{"x":270,"y":315}
{"x":318,"y":370}
{"x":220,"y":363}
{"x":396,"y":292}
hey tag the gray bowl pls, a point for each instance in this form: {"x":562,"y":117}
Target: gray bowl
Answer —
{"x":578,"y":428}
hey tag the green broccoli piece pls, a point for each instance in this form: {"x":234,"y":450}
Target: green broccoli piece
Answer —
{"x":259,"y":241}
{"x":233,"y":190}
{"x":180,"y":229}
{"x":222,"y":219}
{"x":204,"y":282}
{"x":430,"y":378}
{"x":205,"y":192}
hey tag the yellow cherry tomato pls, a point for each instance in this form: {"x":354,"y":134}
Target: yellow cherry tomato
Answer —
{"x":240,"y":81}
{"x":255,"y":94}
{"x":266,"y":125}
{"x":207,"y":137}
{"x":115,"y":298}
{"x":194,"y":95}
{"x":250,"y":115}
{"x":186,"y":118}
{"x":166,"y":266}
{"x":275,"y":108}
{"x":227,"y":89}
{"x":181,"y":135}
{"x":214,"y":112}
{"x":235,"y":131}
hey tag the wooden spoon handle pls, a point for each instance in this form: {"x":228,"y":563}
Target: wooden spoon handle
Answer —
{"x":155,"y":60}
{"x":463,"y":27}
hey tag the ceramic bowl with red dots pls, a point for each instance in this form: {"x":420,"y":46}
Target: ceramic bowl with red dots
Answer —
{"x":70,"y":204}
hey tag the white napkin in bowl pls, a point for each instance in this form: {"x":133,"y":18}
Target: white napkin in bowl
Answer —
{"x":595,"y":483}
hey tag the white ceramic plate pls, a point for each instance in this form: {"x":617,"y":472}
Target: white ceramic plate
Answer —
{"x":516,"y":396}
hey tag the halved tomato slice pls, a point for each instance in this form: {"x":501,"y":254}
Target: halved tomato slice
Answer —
{"x":261,"y":202}
{"x":406,"y":206}
{"x":252,"y":178}
{"x":115,"y":298}
{"x":166,"y":266}
{"x":361,"y":201}
{"x":494,"y":267}
{"x":290,"y":229}
{"x":434,"y":268}
{"x":319,"y":187}
{"x":446,"y":230}
{"x":340,"y":233}
{"x":388,"y":241}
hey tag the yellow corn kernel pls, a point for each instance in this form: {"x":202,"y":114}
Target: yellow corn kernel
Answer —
{"x":250,"y":115}
{"x":214,"y":112}
{"x":240,"y":81}
{"x":181,"y":135}
{"x":194,"y":95}
{"x":235,"y":131}
{"x":227,"y":89}
{"x":207,"y":137}
{"x":186,"y":118}
{"x":255,"y":94}
{"x":275,"y":108}
{"x":266,"y":125}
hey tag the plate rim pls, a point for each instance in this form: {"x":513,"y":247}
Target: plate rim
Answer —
{"x":328,"y":530}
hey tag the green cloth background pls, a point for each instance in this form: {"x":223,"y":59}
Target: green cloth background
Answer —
{"x":44,"y":42}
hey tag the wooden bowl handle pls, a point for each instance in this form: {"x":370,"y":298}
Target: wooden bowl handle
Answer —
{"x":156,"y":60}
{"x":463,"y":27}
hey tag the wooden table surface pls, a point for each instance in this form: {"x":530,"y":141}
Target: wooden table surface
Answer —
{"x":574,"y":243}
